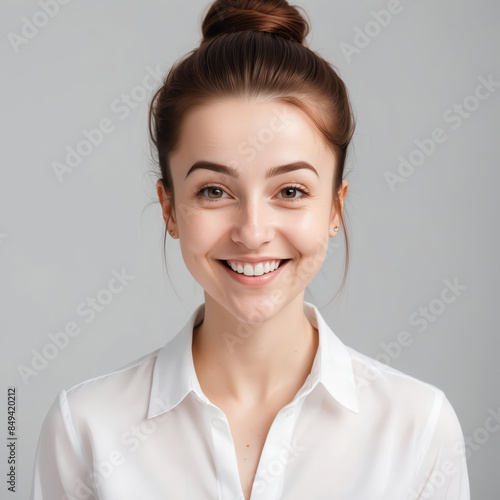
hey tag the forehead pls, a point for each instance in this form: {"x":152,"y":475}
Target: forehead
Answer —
{"x":239,"y":132}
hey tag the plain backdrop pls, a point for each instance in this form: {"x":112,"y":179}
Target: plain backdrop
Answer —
{"x":82,"y":65}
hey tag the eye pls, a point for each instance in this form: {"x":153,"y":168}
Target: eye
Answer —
{"x":209,"y":187}
{"x":296,"y":188}
{"x":218,"y":190}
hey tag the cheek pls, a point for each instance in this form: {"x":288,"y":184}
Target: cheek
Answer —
{"x":199,"y":234}
{"x":309,"y":236}
{"x":308,"y":230}
{"x":193,"y":221}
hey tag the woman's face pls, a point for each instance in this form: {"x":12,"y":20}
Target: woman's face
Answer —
{"x":232,"y":203}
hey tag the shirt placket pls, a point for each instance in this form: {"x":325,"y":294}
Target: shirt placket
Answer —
{"x":279,"y":449}
{"x":226,"y":464}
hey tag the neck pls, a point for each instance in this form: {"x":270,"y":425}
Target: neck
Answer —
{"x":271,"y":358}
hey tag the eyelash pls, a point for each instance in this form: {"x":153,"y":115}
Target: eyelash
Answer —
{"x":297,"y":187}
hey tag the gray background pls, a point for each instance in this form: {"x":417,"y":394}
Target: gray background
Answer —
{"x":60,"y":241}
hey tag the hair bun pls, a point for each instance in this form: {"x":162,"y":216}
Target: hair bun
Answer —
{"x":270,"y":16}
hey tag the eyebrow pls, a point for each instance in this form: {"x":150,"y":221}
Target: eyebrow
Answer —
{"x":272,"y":172}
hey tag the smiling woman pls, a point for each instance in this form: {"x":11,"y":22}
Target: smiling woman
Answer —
{"x":255,"y":397}
{"x":277,"y":207}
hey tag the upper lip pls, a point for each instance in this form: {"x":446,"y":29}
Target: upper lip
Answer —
{"x":253,"y":259}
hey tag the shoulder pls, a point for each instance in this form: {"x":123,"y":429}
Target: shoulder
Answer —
{"x":416,"y":414}
{"x":106,"y":396}
{"x":95,"y":411}
{"x":371,"y":374}
{"x":416,"y":405}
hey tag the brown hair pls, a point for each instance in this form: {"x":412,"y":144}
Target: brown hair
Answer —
{"x":253,"y":48}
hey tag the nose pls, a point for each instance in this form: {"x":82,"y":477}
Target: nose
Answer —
{"x":253,"y":223}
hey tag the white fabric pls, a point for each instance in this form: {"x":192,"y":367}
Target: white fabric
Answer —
{"x":357,"y":429}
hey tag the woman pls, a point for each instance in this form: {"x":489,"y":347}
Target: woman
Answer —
{"x":255,"y":397}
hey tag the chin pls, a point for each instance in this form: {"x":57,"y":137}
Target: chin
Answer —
{"x":256,"y":310}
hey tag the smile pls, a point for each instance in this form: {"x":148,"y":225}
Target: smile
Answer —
{"x":264,"y":267}
{"x":258,"y":273}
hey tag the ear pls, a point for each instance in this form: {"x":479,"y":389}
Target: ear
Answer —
{"x":167,"y":208}
{"x":335,"y":220}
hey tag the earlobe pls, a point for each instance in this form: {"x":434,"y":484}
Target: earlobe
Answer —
{"x":335,"y":223}
{"x":334,"y":228}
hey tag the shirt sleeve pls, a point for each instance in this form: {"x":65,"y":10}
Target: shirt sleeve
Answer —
{"x":60,"y":470}
{"x":442,"y":474}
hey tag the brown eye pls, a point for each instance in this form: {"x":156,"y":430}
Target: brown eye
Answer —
{"x":215,"y":190}
{"x":218,"y":191}
{"x":289,"y":192}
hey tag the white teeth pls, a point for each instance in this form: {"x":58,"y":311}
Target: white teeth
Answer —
{"x":257,"y":270}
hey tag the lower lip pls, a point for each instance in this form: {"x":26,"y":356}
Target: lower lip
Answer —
{"x":263,"y":279}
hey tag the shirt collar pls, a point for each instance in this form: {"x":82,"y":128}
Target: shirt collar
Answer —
{"x":174,"y":375}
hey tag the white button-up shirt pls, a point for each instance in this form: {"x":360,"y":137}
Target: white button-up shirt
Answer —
{"x":357,"y":429}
